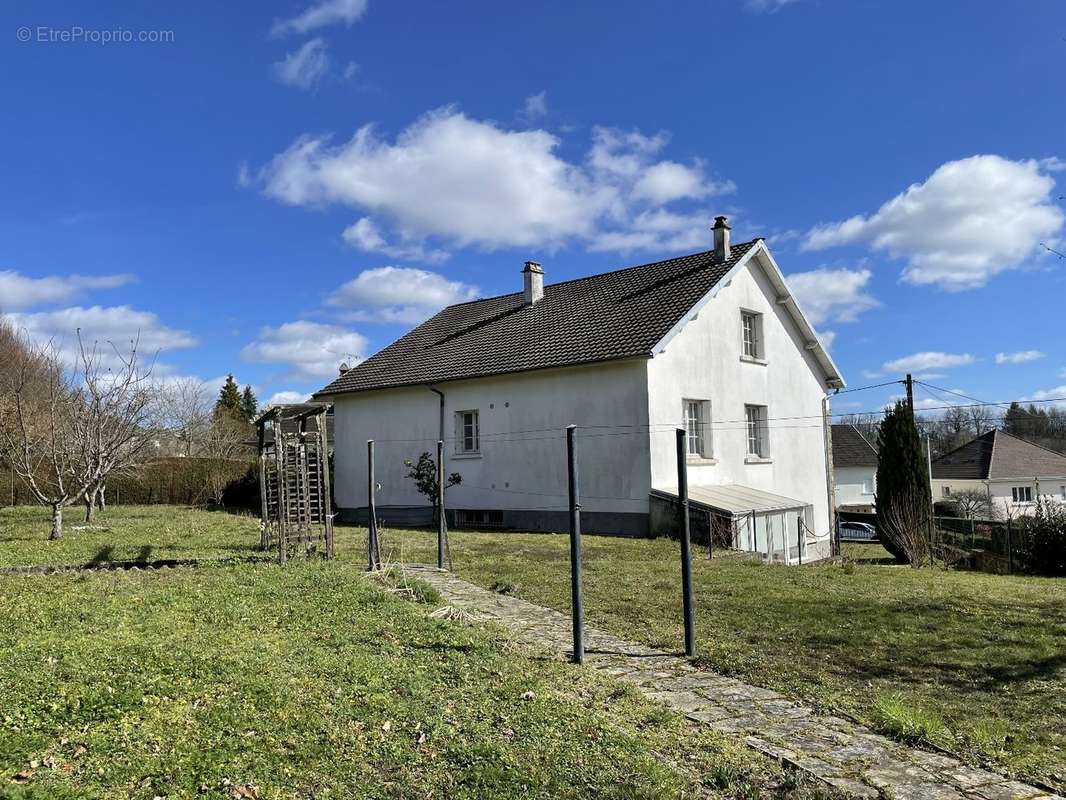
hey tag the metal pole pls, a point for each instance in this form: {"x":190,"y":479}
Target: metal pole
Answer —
{"x":799,"y":538}
{"x":373,"y":558}
{"x":686,"y":554}
{"x":440,"y":504}
{"x":910,"y":395}
{"x":575,"y":548}
{"x":710,"y":535}
{"x":1010,"y":550}
{"x":830,"y":478}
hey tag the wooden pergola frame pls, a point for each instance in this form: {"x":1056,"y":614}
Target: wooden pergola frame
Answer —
{"x":296,"y":507}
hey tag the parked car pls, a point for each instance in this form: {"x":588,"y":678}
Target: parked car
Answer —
{"x":857,"y":532}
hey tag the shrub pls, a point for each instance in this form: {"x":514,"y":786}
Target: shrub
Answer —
{"x":1047,"y":531}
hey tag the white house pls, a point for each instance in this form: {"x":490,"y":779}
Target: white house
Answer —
{"x":714,"y":342}
{"x":854,"y":469}
{"x":1012,"y":472}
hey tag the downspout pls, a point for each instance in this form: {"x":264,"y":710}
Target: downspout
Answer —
{"x":440,"y":428}
{"x":830,"y":480}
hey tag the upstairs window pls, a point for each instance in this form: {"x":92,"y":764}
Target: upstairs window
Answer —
{"x":467,"y":433}
{"x":697,"y":416}
{"x":1022,"y":494}
{"x":755,"y":416}
{"x":751,"y":328}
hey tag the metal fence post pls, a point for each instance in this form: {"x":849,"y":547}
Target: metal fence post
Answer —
{"x":1010,"y":549}
{"x":440,"y":504}
{"x":799,"y":538}
{"x":686,"y":554}
{"x":575,"y":548}
{"x":373,"y":556}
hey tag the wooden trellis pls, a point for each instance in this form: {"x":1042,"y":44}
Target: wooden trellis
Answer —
{"x":296,"y":513}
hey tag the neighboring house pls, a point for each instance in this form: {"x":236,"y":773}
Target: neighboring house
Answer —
{"x":1011,"y":471}
{"x":712,"y":341}
{"x":854,"y":469}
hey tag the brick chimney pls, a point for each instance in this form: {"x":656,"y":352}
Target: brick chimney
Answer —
{"x":533,"y":282}
{"x":721,"y":239}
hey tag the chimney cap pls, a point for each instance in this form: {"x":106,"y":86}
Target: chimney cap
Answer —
{"x":533,"y":266}
{"x":720,"y":222}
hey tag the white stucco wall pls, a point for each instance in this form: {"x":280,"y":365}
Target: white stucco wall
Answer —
{"x":1049,"y":488}
{"x":704,"y":362}
{"x":851,"y":484}
{"x":521,"y":466}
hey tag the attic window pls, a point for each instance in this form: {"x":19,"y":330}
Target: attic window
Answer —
{"x":751,"y":330}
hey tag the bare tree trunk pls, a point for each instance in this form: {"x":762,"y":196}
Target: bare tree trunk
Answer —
{"x":90,"y":506}
{"x":101,"y":501}
{"x":57,"y":522}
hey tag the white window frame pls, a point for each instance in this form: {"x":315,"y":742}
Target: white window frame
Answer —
{"x":868,"y":485}
{"x":756,"y":431}
{"x":462,"y":438}
{"x":947,"y":491}
{"x":1062,"y":492}
{"x":1022,"y":495}
{"x":751,"y":346}
{"x":698,"y":440}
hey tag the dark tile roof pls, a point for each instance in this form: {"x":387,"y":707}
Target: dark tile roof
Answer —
{"x":620,"y":314}
{"x":998,"y":455}
{"x":851,"y":448}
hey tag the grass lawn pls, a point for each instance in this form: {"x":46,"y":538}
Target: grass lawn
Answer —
{"x":304,"y":681}
{"x":125,"y":533}
{"x":974,"y":663}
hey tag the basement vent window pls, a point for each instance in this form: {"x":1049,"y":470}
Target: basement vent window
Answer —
{"x":465,"y":518}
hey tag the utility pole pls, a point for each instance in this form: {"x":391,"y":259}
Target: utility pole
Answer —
{"x":910,"y":395}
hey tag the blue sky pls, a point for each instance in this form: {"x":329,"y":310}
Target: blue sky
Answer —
{"x":270,"y":188}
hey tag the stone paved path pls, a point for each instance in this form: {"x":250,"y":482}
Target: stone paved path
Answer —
{"x":841,"y":753}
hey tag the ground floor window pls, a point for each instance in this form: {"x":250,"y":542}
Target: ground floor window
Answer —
{"x":1022,"y":494}
{"x":467,"y":435}
{"x":755,"y":417}
{"x":947,"y":491}
{"x":697,"y":415}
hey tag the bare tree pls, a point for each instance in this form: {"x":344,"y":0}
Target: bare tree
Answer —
{"x":185,"y":410}
{"x":226,"y":445}
{"x":972,"y":504}
{"x":37,"y":408}
{"x":64,"y":428}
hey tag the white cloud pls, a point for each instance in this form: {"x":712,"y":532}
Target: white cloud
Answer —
{"x":19,"y":292}
{"x":970,"y":220}
{"x":766,"y":6}
{"x":536,"y":106}
{"x":320,"y":15}
{"x":366,"y":235}
{"x":1020,"y":357}
{"x":1051,"y":394}
{"x":287,"y":397}
{"x":472,"y":182}
{"x":116,"y":325}
{"x":305,"y":67}
{"x":669,"y":180}
{"x":832,"y":294}
{"x":398,"y":294}
{"x":1053,"y":164}
{"x":827,"y":338}
{"x":926,"y":361}
{"x":312,"y":349}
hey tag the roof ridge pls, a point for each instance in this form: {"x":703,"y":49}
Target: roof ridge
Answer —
{"x":965,"y":444}
{"x":1031,"y":444}
{"x":601,"y":274}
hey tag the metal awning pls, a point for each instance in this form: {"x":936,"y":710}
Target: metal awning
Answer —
{"x":734,"y":499}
